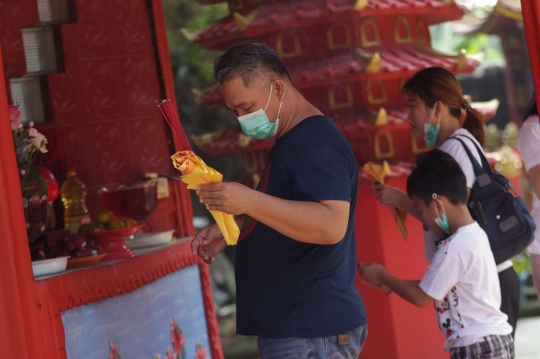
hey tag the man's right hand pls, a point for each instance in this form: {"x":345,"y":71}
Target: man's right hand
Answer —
{"x":208,"y":243}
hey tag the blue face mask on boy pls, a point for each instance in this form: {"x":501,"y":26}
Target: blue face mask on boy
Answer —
{"x":443,"y":220}
{"x":431,"y":133}
{"x":257,"y":124}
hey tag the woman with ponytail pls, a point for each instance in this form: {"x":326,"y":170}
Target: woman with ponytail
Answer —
{"x":438,"y":112}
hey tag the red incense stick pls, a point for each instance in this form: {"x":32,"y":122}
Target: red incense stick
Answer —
{"x":169,"y":112}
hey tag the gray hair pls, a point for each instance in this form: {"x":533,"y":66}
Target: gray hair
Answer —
{"x":251,"y":60}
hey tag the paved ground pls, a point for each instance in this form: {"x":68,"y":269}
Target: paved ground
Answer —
{"x":528,"y":338}
{"x":527,"y":342}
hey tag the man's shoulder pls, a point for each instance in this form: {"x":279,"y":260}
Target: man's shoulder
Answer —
{"x":315,"y":124}
{"x":315,"y":135}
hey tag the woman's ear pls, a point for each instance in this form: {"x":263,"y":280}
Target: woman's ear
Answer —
{"x":462,"y":117}
{"x":438,"y":108}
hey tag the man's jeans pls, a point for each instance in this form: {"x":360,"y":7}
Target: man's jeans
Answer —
{"x":314,"y":348}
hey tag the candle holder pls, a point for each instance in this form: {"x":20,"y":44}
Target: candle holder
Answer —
{"x":112,"y":242}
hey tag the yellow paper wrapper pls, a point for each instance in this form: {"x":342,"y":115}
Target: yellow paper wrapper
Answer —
{"x":194,"y":173}
{"x":377,"y":173}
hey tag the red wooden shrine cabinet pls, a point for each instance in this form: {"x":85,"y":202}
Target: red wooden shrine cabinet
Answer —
{"x":95,"y":69}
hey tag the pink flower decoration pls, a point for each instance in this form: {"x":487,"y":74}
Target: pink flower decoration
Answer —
{"x":113,"y":353}
{"x":170,"y":354}
{"x":31,"y":123}
{"x":23,"y":172}
{"x":200,"y":352}
{"x":14,"y":113}
{"x":32,"y":132}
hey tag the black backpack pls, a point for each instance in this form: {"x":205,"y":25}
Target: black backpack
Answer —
{"x":498,"y":209}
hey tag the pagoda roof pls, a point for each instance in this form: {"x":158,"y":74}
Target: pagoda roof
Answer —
{"x":490,"y":20}
{"x":394,"y":63}
{"x":292,"y":14}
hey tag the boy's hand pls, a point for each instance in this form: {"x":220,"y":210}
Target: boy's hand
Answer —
{"x":380,"y":287}
{"x":371,"y":273}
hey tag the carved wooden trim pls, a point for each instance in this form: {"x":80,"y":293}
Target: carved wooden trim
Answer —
{"x":377,"y":146}
{"x":332,"y":45}
{"x":279,"y":45}
{"x":371,"y":98}
{"x":407,"y":39}
{"x":369,"y":21}
{"x":332,"y":98}
{"x":415,"y":148}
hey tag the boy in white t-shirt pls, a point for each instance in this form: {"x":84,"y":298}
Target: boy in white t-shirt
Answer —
{"x":462,"y":278}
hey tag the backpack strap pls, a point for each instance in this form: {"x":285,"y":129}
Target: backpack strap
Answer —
{"x":482,"y":172}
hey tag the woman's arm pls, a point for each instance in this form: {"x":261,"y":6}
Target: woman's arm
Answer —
{"x":394,"y":197}
{"x":534,"y":176}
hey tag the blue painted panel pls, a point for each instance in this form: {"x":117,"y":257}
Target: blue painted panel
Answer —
{"x":139,"y":324}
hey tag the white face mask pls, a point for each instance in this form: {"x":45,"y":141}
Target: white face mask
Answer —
{"x":257,"y":124}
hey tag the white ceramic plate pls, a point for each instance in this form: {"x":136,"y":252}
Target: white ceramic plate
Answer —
{"x":49,"y":266}
{"x":143,"y":240}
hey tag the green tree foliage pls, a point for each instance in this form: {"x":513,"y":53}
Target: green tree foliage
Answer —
{"x":444,"y":38}
{"x":489,"y":45}
{"x":189,"y":59}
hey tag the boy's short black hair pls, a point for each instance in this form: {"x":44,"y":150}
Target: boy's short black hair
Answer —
{"x":437,"y":172}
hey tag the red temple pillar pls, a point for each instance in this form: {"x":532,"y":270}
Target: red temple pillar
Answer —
{"x":396,"y":328}
{"x":531,"y":20}
{"x":20,"y":336}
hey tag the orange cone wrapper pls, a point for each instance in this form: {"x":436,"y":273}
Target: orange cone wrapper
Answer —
{"x":194,"y":173}
{"x":377,"y":173}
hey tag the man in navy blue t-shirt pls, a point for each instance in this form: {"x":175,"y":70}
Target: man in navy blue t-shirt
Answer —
{"x":296,"y":255}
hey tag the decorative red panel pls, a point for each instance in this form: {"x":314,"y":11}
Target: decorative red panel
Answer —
{"x":133,"y":31}
{"x":147,"y":137}
{"x":67,"y":96}
{"x":15,"y":15}
{"x":109,"y":148}
{"x":139,"y":86}
{"x":99,"y":81}
{"x":94,"y":30}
